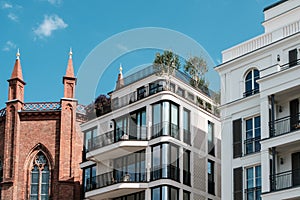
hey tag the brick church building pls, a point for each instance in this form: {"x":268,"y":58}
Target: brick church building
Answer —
{"x":40,"y":143}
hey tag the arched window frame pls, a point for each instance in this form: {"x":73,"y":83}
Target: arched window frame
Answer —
{"x":250,"y":84}
{"x":41,"y":168}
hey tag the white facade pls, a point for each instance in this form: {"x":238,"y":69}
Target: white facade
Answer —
{"x":260,"y":84}
{"x":147,"y":157}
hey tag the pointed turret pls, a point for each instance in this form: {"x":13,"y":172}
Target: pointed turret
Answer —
{"x":16,"y":83}
{"x":70,"y":68}
{"x":17,"y":71}
{"x":69,"y":79}
{"x":120,"y":81}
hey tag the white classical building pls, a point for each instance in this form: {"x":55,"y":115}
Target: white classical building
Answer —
{"x":260,"y":84}
{"x":158,"y":140}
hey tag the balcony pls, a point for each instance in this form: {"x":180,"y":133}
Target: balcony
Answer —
{"x":284,"y":125}
{"x":165,"y":129}
{"x":253,"y":193}
{"x":166,"y":172}
{"x":113,"y":184}
{"x":252,"y":145}
{"x":285,"y":180}
{"x":107,"y":146}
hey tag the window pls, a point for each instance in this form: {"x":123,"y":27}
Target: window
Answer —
{"x":253,"y":183}
{"x":186,"y":126}
{"x":165,"y":162}
{"x":293,"y":57}
{"x":165,"y":117}
{"x":186,"y":168}
{"x":89,"y":182}
{"x":210,"y":177}
{"x":165,"y":193}
{"x":210,"y":139}
{"x":252,"y":135}
{"x":186,"y":195}
{"x":251,"y":86}
{"x":130,"y":168}
{"x":141,"y":92}
{"x":40,"y":178}
{"x":156,"y":87}
{"x":137,"y":125}
{"x":121,"y":130}
{"x":135,"y":196}
{"x":90,"y":139}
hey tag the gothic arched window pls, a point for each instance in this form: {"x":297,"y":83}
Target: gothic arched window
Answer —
{"x":40,"y":177}
{"x":251,"y":86}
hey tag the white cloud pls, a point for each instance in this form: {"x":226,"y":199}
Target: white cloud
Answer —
{"x":50,"y":24}
{"x":9,"y":45}
{"x":13,"y":17}
{"x":6,"y":5}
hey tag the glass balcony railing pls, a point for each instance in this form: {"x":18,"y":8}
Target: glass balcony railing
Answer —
{"x":165,"y":129}
{"x":165,"y":171}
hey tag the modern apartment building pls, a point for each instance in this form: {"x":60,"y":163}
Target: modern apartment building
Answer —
{"x":156,"y":138}
{"x":260,"y":84}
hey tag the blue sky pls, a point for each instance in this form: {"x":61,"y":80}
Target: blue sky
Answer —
{"x":44,"y":30}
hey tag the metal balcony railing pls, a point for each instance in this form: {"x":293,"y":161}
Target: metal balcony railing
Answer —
{"x":251,"y":92}
{"x":253,"y":193}
{"x":113,"y":177}
{"x":284,"y":125}
{"x":165,"y":129}
{"x":285,"y":180}
{"x":165,"y":172}
{"x":252,"y":145}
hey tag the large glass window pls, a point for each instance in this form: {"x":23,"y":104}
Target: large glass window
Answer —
{"x":252,"y":142}
{"x":210,"y":139}
{"x":186,"y":126}
{"x":164,"y":193}
{"x":121,"y":130}
{"x":186,"y":168}
{"x":90,"y":138}
{"x":138,"y":129}
{"x":40,"y":178}
{"x":130,"y":168}
{"x":251,"y":86}
{"x":211,"y":177}
{"x":165,"y":162}
{"x":165,"y":119}
{"x":88,"y":182}
{"x":253,"y":183}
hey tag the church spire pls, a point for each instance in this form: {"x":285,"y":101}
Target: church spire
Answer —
{"x":69,"y":79}
{"x":120,"y":81}
{"x":17,"y":71}
{"x":70,"y":69}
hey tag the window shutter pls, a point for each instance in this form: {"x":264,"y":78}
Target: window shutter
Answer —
{"x":238,"y":183}
{"x":237,"y":138}
{"x":293,"y":57}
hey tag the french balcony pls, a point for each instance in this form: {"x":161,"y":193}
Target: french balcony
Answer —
{"x":187,"y":136}
{"x":252,"y":145}
{"x":166,"y":172}
{"x":253,"y":193}
{"x":165,"y":129}
{"x":284,"y":125}
{"x":285,"y":180}
{"x":107,"y":146}
{"x":186,"y":177}
{"x":114,"y":184}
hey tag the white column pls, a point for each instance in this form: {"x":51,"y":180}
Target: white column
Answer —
{"x":148,"y":163}
{"x":264,"y":117}
{"x":265,"y":170}
{"x":149,"y":121}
